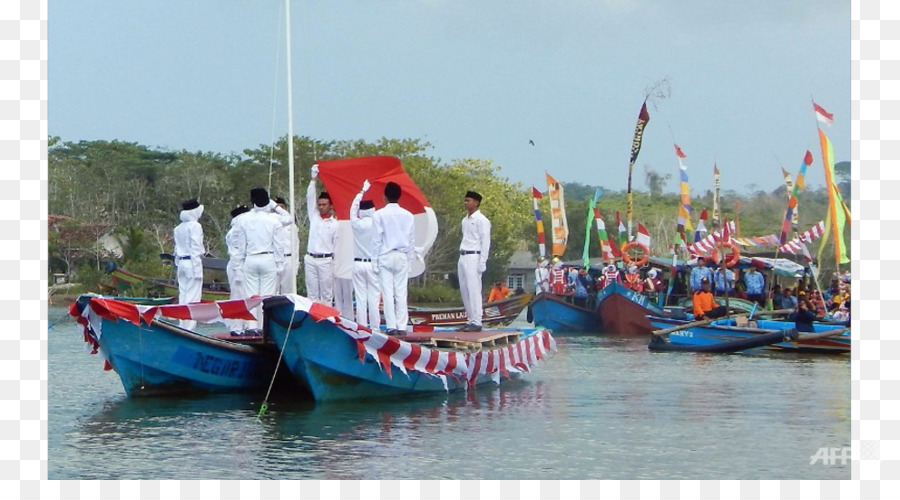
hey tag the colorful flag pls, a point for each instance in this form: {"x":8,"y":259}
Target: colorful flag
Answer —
{"x":791,"y":214}
{"x":836,"y":213}
{"x":558,"y":224}
{"x":536,"y":195}
{"x":603,"y":238}
{"x":701,"y":225}
{"x":623,"y":232}
{"x":643,"y":119}
{"x":591,"y":214}
{"x":643,"y":236}
{"x":822,"y":115}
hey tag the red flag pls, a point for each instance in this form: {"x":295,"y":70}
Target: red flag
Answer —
{"x":535,"y":193}
{"x":726,"y":232}
{"x":679,"y":153}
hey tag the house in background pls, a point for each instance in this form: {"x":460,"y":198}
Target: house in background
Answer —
{"x":520,"y":271}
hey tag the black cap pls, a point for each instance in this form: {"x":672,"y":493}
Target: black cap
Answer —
{"x":366,"y":204}
{"x":238,"y":210}
{"x":475,"y":196}
{"x":392,"y":191}
{"x":259,"y":197}
{"x":281,"y":200}
{"x":190,"y":204}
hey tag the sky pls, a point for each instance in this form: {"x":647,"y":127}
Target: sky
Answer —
{"x":474,"y":79}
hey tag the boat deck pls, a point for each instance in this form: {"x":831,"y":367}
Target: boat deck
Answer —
{"x":473,"y":341}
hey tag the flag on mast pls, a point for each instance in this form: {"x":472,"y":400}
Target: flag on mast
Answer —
{"x":539,"y":224}
{"x":715,"y":214}
{"x":823,"y":116}
{"x":643,"y":119}
{"x":558,"y":224}
{"x":643,"y":236}
{"x":838,"y":218}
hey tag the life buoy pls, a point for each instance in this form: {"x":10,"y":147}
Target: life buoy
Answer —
{"x":735,"y":253}
{"x":628,"y":259}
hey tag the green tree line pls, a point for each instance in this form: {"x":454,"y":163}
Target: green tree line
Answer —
{"x":134,"y":193}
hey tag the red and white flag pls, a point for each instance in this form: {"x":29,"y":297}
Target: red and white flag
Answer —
{"x":822,"y":115}
{"x":643,"y":236}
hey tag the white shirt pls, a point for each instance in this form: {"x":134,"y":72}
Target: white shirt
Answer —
{"x":287,"y":233}
{"x":232,"y":240}
{"x":322,"y":231}
{"x":255,"y":234}
{"x":189,"y":234}
{"x":363,"y":225}
{"x":476,"y":235}
{"x":394,"y":230}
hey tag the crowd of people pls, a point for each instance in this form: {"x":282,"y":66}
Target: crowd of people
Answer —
{"x":264,"y":249}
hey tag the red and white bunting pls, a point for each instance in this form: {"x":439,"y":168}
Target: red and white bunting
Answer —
{"x":796,"y":245}
{"x":707,"y":244}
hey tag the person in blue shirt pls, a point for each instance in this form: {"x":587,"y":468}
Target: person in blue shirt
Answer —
{"x":700,"y":272}
{"x":755,"y":283}
{"x":724,"y":284}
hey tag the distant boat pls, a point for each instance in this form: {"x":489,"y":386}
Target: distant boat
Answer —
{"x":336,"y":360}
{"x":123,"y":283}
{"x":560,"y":316}
{"x":157,"y":358}
{"x":756,"y":335}
{"x":497,"y":313}
{"x":624,"y":312}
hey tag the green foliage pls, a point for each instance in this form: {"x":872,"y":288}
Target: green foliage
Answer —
{"x":435,"y":292}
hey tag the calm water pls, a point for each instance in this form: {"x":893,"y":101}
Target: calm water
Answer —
{"x":602,"y":408}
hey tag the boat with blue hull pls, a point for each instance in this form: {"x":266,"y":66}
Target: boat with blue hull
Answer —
{"x":157,"y":358}
{"x":623,"y":311}
{"x":338,"y":360}
{"x":554,"y":312}
{"x":827,"y":339}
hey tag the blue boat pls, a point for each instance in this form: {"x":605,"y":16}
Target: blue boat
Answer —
{"x":336,"y":360}
{"x":156,"y":358}
{"x":756,"y":336}
{"x":553,"y":312}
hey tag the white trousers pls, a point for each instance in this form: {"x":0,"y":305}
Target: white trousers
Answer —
{"x":236,"y":285}
{"x":393,"y":272}
{"x":368,"y":295}
{"x":343,"y":296}
{"x":319,"y":279}
{"x":287,"y":276}
{"x":470,"y":287}
{"x":260,"y":272}
{"x":190,"y":285}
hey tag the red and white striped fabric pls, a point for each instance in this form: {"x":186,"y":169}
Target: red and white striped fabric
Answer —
{"x":392,"y":352}
{"x":797,"y":244}
{"x":706,"y":245}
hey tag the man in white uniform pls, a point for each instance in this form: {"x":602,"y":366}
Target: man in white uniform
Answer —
{"x":189,"y":252}
{"x":290,"y":242}
{"x":365,"y":281}
{"x":259,"y":249}
{"x":323,"y":230}
{"x":473,"y":255}
{"x":235,"y":267}
{"x":394,"y":251}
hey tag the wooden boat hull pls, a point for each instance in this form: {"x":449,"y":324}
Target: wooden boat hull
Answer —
{"x":335,"y":361}
{"x":725,"y":345}
{"x":161,"y":359}
{"x":498,"y":313}
{"x":624,"y":312}
{"x":555,"y":313}
{"x":712,"y":334}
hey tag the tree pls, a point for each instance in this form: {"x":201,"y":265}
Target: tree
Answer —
{"x":655,"y":181}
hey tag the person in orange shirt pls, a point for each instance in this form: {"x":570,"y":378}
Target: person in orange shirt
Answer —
{"x":705,"y":306}
{"x":498,"y":292}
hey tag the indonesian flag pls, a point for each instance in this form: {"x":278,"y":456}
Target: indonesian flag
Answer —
{"x":344,"y":178}
{"x":701,"y":224}
{"x":822,"y":115}
{"x":643,"y":236}
{"x":623,"y":233}
{"x":726,"y":232}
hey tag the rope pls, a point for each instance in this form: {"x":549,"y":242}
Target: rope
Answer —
{"x":265,"y":403}
{"x":59,"y":320}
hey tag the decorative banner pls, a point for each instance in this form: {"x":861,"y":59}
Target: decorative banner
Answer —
{"x":558,"y":224}
{"x":715,"y":215}
{"x":591,"y":214}
{"x":607,"y":249}
{"x":791,"y":214}
{"x":643,"y":236}
{"x":623,"y":232}
{"x":794,"y":246}
{"x":643,"y":119}
{"x":821,"y":115}
{"x":837,"y":217}
{"x":538,"y":222}
{"x":684,"y":209}
{"x":709,"y":243}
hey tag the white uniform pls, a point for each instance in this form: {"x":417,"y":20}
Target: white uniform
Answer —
{"x":235,"y":270}
{"x":394,"y":250}
{"x":189,"y":251}
{"x":365,"y":281}
{"x":319,"y":259}
{"x":261,"y":252}
{"x":473,"y":255}
{"x":290,"y":243}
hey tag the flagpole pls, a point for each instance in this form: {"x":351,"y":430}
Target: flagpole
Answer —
{"x":290,"y":107}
